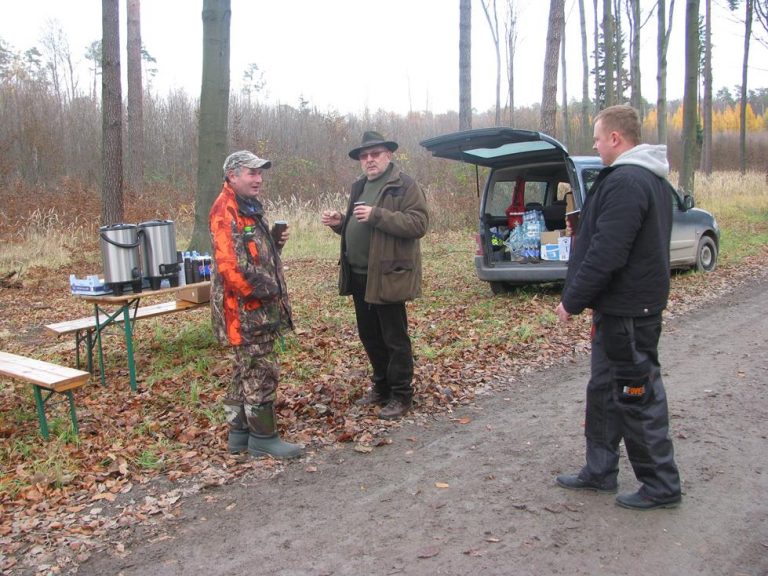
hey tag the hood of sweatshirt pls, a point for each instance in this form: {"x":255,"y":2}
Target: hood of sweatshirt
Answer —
{"x":650,"y":156}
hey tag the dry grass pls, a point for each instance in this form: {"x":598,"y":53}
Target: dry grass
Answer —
{"x":62,"y":229}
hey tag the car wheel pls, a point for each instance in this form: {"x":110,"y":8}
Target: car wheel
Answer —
{"x":499,"y":287}
{"x":706,"y":255}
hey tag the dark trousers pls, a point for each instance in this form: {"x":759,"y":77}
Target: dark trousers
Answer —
{"x":383,"y":330}
{"x":626,"y":399}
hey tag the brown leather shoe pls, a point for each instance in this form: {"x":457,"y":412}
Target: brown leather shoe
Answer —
{"x":373,"y":397}
{"x":396,"y":408}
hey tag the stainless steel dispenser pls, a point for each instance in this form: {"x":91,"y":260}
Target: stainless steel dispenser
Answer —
{"x":120,"y":257}
{"x":158,"y":248}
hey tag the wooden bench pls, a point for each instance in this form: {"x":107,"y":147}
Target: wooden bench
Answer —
{"x":83,"y":328}
{"x":52,"y":378}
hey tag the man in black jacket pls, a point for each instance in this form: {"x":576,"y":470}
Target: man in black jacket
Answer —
{"x":620,"y":269}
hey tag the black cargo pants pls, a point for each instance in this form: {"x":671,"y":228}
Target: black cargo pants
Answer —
{"x":626,"y":399}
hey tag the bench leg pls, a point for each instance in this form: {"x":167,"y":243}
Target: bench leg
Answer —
{"x":72,"y":413}
{"x":129,"y":347}
{"x":40,"y":403}
{"x":84,"y":337}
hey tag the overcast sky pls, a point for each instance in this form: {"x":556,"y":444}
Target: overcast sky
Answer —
{"x":349,"y":55}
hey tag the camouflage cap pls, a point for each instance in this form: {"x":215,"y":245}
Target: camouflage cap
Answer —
{"x":245,"y":159}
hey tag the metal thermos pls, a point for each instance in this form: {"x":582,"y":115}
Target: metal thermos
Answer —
{"x":158,"y":241}
{"x":120,"y":256}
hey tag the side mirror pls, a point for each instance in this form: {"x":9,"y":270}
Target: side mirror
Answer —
{"x":688,"y":201}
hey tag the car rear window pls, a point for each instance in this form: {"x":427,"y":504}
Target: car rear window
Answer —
{"x":500,"y":195}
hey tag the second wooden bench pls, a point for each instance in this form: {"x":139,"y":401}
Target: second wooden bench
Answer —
{"x":83,"y":328}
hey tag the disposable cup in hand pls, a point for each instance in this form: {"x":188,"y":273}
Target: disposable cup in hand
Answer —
{"x":277,"y":230}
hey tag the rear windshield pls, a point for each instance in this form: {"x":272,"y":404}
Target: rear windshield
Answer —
{"x":500,"y":195}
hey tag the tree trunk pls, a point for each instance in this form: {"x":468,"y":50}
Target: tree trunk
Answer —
{"x":111,"y":116}
{"x":596,"y":57}
{"x":664,"y":32}
{"x":690,"y":99}
{"x":214,"y":109}
{"x":551,"y":55}
{"x":636,"y":94}
{"x":465,"y":64}
{"x":618,"y":50}
{"x":566,"y":118}
{"x":511,"y":35}
{"x":609,"y":59}
{"x":135,"y":179}
{"x":493,"y":23}
{"x":706,"y":107}
{"x":744,"y":69}
{"x":586,"y":133}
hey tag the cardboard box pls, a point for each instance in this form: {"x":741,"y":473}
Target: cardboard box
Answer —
{"x":564,"y":244}
{"x":91,"y":284}
{"x":197,"y":293}
{"x":551,"y":237}
{"x":550,"y":252}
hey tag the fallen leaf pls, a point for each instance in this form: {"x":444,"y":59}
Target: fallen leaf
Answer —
{"x":429,"y":552}
{"x":104,"y":496}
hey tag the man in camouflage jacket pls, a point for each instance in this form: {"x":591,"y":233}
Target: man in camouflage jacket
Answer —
{"x":249,"y":305}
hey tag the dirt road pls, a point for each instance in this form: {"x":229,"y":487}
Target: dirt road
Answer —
{"x":474,"y":493}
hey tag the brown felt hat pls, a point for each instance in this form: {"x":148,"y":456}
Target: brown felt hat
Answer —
{"x":371,"y":139}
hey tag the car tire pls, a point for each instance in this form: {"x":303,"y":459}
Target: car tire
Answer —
{"x":706,"y":255}
{"x":499,"y":287}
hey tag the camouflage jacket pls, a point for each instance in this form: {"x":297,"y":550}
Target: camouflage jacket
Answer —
{"x":249,"y":296}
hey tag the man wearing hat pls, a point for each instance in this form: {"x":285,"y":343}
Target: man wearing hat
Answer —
{"x":381,"y":267}
{"x":249,"y":305}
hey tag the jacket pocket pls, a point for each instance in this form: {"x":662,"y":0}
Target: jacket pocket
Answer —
{"x":397,"y":283}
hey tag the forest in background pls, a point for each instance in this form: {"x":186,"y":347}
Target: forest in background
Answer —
{"x":48,"y":141}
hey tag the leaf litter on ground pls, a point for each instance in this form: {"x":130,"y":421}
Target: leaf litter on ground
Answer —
{"x":140,"y":454}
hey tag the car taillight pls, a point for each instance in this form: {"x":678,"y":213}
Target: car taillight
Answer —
{"x":479,"y":245}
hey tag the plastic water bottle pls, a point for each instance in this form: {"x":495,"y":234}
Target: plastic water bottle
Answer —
{"x":207,"y":266}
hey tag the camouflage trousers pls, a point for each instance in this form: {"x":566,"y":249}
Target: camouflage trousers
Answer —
{"x":254,"y":381}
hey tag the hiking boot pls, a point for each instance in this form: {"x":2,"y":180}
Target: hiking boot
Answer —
{"x":395,"y":409}
{"x":636,"y":501}
{"x":573,"y":482}
{"x":373,"y":397}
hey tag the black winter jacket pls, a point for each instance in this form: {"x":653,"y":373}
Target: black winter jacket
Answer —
{"x":620,"y":260}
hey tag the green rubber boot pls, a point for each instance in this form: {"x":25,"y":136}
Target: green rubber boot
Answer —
{"x":237,"y":439}
{"x":263,"y":439}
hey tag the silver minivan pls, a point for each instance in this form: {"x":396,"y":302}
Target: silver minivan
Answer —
{"x":530,"y":171}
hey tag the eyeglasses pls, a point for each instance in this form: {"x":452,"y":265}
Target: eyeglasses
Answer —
{"x":372,"y":154}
